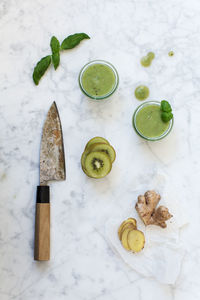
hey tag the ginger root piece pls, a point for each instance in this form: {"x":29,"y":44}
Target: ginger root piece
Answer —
{"x":150,"y":215}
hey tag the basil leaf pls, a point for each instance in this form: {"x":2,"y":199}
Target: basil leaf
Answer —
{"x":165,"y":106}
{"x":41,"y":68}
{"x":55,"y":48}
{"x":73,"y":40}
{"x":56,"y":59}
{"x":55,"y":45}
{"x":166,"y":116}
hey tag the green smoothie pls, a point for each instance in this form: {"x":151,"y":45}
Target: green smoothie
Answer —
{"x":147,"y":60}
{"x":171,"y":53}
{"x":149,"y":123}
{"x":141,"y":92}
{"x":98,"y":80}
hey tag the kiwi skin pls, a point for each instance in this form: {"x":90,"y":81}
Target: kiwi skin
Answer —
{"x":99,"y":156}
{"x":96,"y":139}
{"x":105,"y":148}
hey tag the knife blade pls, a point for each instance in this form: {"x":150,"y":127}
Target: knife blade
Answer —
{"x":52,"y":167}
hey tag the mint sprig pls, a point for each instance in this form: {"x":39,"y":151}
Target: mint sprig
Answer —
{"x":166,"y":111}
{"x":68,"y":43}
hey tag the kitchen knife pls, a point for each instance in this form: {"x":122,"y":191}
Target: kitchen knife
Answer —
{"x":52,"y":167}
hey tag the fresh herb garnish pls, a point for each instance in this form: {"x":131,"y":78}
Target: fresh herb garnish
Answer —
{"x":56,"y":59}
{"x":55,"y":48}
{"x":55,"y":45}
{"x":73,"y":40}
{"x":165,"y":106}
{"x":41,"y":68}
{"x":166,"y":111}
{"x":70,"y":42}
{"x":166,"y":116}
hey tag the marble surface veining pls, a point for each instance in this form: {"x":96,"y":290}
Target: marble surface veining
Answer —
{"x":83,"y":266}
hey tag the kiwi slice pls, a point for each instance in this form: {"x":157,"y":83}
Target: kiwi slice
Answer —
{"x":108,"y":149}
{"x":97,"y":164}
{"x":83,"y":157}
{"x":96,"y":139}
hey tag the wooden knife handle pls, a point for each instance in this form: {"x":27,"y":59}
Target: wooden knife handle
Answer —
{"x":42,"y":224}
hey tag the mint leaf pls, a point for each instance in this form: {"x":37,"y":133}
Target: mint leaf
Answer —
{"x":73,"y":40}
{"x":55,"y":48}
{"x":165,"y":106}
{"x":166,"y":116}
{"x":41,"y":68}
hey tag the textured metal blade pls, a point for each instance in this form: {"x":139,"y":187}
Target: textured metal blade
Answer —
{"x":52,"y":159}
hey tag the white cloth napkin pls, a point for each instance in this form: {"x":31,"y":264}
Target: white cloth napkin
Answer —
{"x":163,"y":252}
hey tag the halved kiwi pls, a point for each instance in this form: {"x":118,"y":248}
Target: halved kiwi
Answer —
{"x":96,"y":139}
{"x":97,"y":164}
{"x":108,"y":149}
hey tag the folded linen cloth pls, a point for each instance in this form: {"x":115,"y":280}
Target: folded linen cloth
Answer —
{"x":163,"y":253}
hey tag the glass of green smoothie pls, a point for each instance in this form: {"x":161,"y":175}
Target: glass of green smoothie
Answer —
{"x":98,"y":79}
{"x":147,"y":121}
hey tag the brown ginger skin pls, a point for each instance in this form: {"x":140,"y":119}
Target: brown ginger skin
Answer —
{"x":150,"y":215}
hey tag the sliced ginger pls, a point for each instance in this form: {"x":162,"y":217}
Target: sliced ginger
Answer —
{"x":131,"y":238}
{"x":136,"y":240}
{"x":125,"y":238}
{"x":129,"y":223}
{"x":133,"y":221}
{"x":150,"y":215}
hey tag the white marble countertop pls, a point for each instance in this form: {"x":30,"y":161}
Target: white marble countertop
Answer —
{"x":83,"y":265}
